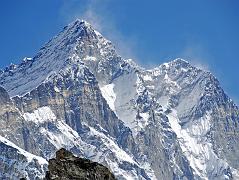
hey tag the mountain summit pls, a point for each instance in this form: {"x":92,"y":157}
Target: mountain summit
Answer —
{"x":170,"y":122}
{"x":55,"y":55}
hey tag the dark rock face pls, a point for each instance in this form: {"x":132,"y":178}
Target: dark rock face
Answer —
{"x":4,"y":97}
{"x":67,"y":166}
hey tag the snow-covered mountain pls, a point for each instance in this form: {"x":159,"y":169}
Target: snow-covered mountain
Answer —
{"x":170,"y":122}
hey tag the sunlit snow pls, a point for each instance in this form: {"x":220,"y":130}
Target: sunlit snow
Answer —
{"x":109,"y":95}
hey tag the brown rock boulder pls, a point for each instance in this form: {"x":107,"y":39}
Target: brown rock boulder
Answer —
{"x":67,"y":166}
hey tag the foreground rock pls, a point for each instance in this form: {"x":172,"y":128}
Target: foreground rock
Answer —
{"x":67,"y":166}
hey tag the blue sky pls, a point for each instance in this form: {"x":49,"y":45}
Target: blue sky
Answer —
{"x":204,"y":32}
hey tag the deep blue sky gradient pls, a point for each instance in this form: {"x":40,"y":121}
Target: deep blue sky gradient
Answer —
{"x":204,"y":32}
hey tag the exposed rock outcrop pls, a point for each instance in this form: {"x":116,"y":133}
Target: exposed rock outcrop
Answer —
{"x":67,"y":166}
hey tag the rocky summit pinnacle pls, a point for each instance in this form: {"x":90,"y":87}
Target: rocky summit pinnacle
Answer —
{"x":171,"y":122}
{"x":67,"y":166}
{"x":79,"y":27}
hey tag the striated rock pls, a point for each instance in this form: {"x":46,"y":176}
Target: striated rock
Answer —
{"x":67,"y":166}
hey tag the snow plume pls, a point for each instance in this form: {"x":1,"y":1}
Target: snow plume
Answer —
{"x":197,"y":55}
{"x":89,"y":10}
{"x":100,"y":15}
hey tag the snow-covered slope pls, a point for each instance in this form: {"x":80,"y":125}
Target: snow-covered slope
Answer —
{"x":100,"y":150}
{"x":19,"y":163}
{"x":170,"y":122}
